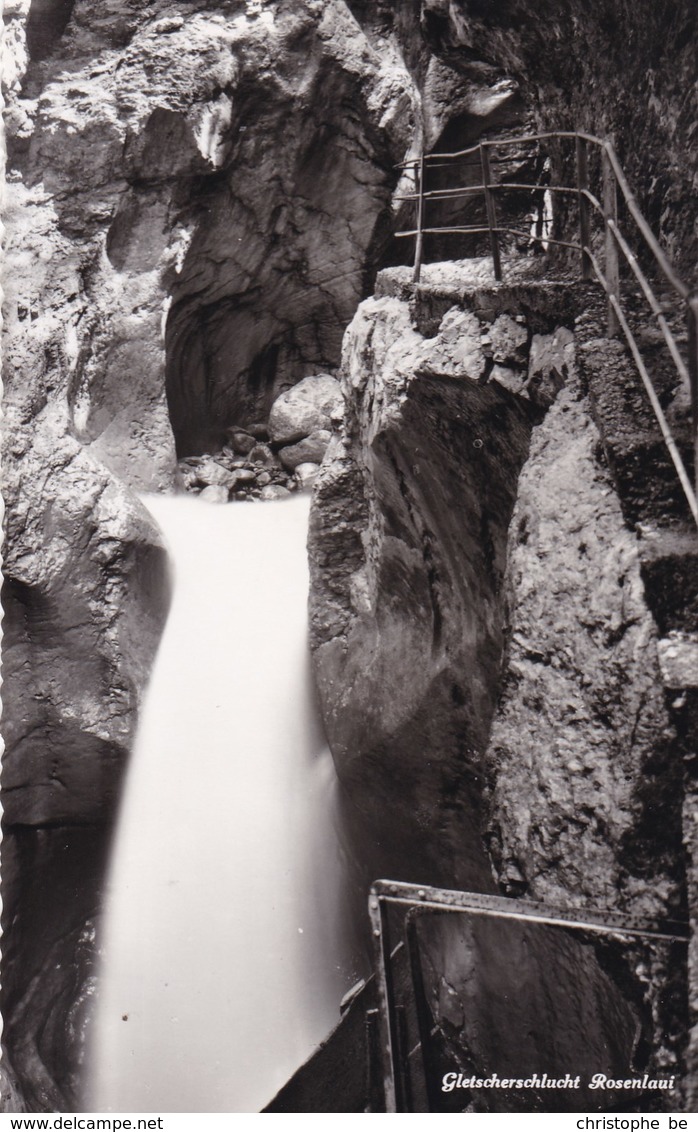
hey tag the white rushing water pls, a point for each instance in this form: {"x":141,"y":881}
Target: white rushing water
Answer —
{"x":224,"y":953}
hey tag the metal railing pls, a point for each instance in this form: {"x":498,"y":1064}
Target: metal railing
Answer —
{"x":616,"y":248}
{"x":403,"y":1054}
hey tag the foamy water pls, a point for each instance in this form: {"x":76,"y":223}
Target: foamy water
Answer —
{"x":224,"y":954}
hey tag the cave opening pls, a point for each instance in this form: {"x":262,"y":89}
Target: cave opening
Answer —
{"x":269,"y":281}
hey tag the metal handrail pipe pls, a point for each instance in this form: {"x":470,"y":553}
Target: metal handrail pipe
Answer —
{"x":498,"y":229}
{"x":628,"y":195}
{"x":524,"y":139}
{"x":441,"y":194}
{"x":647,"y":291}
{"x":447,"y":194}
{"x":438,"y":231}
{"x":594,"y":201}
{"x":409,"y":162}
{"x":541,"y":239}
{"x":535,"y":188}
{"x":614,"y":179}
{"x":647,"y":233}
{"x":649,"y":389}
{"x":668,"y":272}
{"x":413,"y":896}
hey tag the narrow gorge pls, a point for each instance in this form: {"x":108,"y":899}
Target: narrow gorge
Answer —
{"x":212,"y":324}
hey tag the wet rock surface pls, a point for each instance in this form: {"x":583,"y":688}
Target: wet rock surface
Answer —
{"x":85,"y":599}
{"x":53,"y":880}
{"x":512,"y":997}
{"x":407,"y":551}
{"x":549,"y":652}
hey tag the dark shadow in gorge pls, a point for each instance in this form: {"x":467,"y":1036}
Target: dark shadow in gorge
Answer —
{"x":53,"y":882}
{"x":272,"y":278}
{"x":62,"y":779}
{"x":46,"y":22}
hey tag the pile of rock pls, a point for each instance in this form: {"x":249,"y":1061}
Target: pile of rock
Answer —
{"x":269,"y":461}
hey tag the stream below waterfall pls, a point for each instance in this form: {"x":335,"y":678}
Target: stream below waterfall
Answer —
{"x":226,"y":945}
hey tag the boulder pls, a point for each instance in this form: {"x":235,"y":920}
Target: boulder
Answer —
{"x":209,"y":473}
{"x":306,"y":474}
{"x":185,"y":477}
{"x":304,"y":409}
{"x":509,"y":340}
{"x":310,"y":450}
{"x":274,"y":491}
{"x":242,"y":442}
{"x":242,"y":478}
{"x":262,"y":454}
{"x":215,"y":493}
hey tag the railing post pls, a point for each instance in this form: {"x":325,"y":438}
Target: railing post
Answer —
{"x":692,"y":320}
{"x":584,"y":221}
{"x":378,"y":914}
{"x":491,"y":211}
{"x":610,"y":212}
{"x":418,"y":249}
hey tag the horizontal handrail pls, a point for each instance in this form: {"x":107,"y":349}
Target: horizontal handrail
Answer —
{"x":622,"y":182}
{"x":650,"y":390}
{"x":467,"y":190}
{"x":616,"y":244}
{"x":644,"y":227}
{"x":397,"y":907}
{"x":498,"y":142}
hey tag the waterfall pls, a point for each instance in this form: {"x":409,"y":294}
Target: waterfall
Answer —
{"x":224,"y":954}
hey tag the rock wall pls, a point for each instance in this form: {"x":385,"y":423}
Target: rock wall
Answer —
{"x":581,"y":729}
{"x":625,"y":71}
{"x":84,"y":601}
{"x":197,"y":196}
{"x":487,"y":663}
{"x":408,"y":556}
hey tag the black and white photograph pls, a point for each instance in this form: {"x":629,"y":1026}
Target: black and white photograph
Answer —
{"x":350,"y":560}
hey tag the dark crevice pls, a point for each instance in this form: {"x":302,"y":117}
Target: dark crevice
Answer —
{"x":46,"y":23}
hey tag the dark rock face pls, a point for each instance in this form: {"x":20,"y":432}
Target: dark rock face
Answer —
{"x":489,"y":686}
{"x":623,"y":71}
{"x":408,"y":557}
{"x":84,"y":600}
{"x":52,"y":884}
{"x":513,"y":998}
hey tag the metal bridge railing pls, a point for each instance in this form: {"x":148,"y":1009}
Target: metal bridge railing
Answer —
{"x":408,"y":1071}
{"x":616,"y":248}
